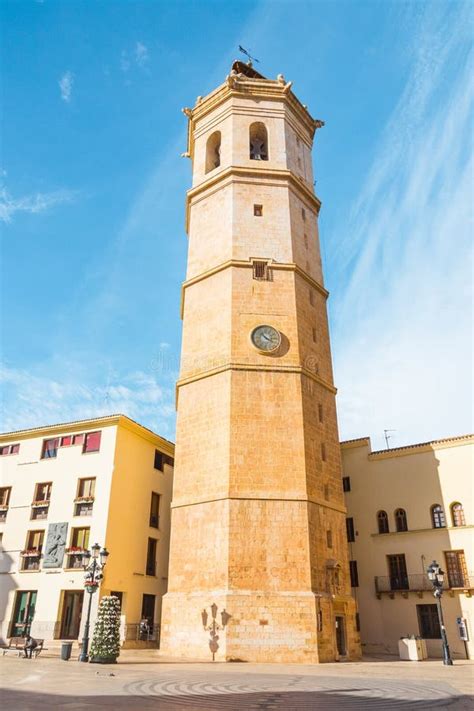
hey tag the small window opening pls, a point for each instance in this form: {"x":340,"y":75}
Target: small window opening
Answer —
{"x":314,"y":335}
{"x":326,"y":492}
{"x":258,"y":210}
{"x":346,"y":483}
{"x":305,"y":237}
{"x":260,"y":271}
{"x":303,"y":214}
{"x":258,"y":141}
{"x":329,"y":539}
{"x":320,"y":412}
{"x":213,"y":151}
{"x":323,"y":451}
{"x":311,"y":297}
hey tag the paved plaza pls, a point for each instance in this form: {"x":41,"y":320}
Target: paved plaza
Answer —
{"x":144,"y":680}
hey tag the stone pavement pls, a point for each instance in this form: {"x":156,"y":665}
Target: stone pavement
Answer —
{"x":145,"y":680}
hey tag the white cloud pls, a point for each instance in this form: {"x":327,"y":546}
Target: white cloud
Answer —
{"x":141,"y":54}
{"x":33,"y":400}
{"x":402,"y":322}
{"x":66,"y":83}
{"x":35,"y":203}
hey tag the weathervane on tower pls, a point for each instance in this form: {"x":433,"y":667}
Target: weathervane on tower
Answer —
{"x":247,"y":54}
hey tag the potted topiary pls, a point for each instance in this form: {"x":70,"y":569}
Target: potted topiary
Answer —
{"x":105,"y":647}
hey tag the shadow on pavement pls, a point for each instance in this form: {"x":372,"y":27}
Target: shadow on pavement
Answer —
{"x":262,"y":701}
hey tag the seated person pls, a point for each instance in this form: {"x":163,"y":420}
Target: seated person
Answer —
{"x":30,"y":645}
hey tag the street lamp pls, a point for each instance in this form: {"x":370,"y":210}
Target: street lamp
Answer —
{"x":436,"y":575}
{"x":93,"y":562}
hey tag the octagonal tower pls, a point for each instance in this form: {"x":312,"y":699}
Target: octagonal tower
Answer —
{"x":258,"y":517}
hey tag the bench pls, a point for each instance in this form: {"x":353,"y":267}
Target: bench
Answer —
{"x":17,"y":645}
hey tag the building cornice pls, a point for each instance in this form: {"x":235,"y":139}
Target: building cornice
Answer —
{"x":232,"y":173}
{"x":423,"y":447}
{"x":235,"y":366}
{"x":421,"y":530}
{"x":248,"y":264}
{"x":353,"y":443}
{"x":91,"y":424}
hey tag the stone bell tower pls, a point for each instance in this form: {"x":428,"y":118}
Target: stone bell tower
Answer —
{"x":258,"y":517}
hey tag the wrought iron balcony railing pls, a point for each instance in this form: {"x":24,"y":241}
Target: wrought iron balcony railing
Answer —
{"x":420,"y":583}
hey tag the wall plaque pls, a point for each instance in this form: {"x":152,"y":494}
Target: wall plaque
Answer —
{"x":55,"y":545}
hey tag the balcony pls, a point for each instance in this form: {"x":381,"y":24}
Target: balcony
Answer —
{"x":31,"y":558}
{"x":419,"y":583}
{"x":83,"y":505}
{"x":39,"y":509}
{"x":74,"y":557}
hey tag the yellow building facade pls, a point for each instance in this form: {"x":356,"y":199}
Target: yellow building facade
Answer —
{"x":258,"y":516}
{"x":64,"y":488}
{"x":407,"y":507}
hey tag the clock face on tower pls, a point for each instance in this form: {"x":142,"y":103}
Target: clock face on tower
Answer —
{"x":266,"y":338}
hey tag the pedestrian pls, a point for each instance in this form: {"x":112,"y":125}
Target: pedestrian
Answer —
{"x":30,"y":646}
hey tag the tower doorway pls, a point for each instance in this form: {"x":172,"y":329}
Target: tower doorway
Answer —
{"x":71,"y":615}
{"x":341,"y":636}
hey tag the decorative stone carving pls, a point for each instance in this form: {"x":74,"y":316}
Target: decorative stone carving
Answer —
{"x":55,"y":545}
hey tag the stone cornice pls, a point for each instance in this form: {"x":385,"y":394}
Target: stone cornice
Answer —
{"x":317,"y":502}
{"x":451,"y":529}
{"x":423,"y":447}
{"x":243,"y":264}
{"x":226,"y":176}
{"x":270,"y":368}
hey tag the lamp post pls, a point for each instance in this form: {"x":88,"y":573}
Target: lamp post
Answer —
{"x":93,"y":562}
{"x":436,"y":575}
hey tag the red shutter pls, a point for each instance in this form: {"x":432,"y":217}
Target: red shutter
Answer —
{"x":78,"y":439}
{"x":66,"y":441}
{"x":92,"y":442}
{"x":15,"y":448}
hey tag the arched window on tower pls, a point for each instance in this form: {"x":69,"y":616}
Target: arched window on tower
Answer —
{"x":438,"y":518}
{"x":401,"y":520}
{"x":258,"y":141}
{"x":457,"y":514}
{"x":382,"y":522}
{"x":213,"y":151}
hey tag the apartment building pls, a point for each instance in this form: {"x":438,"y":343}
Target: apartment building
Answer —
{"x":65,"y":487}
{"x":405,"y":508}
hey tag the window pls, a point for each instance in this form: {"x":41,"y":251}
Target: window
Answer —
{"x":354,"y":574}
{"x":79,"y":543}
{"x":346,"y":483}
{"x":258,"y":210}
{"x":9,"y":449}
{"x":323,"y":452}
{"x":78,"y":439}
{"x":438,"y":519}
{"x":92,"y":442}
{"x":305,"y":239}
{"x":457,"y":514}
{"x":213,"y":151}
{"x":357,"y":621}
{"x":329,"y":539}
{"x":350,"y":530}
{"x":31,"y":555}
{"x":162,"y":459}
{"x":456,"y":569}
{"x":428,"y":621}
{"x":320,"y":412}
{"x":397,"y":569}
{"x":84,"y":501}
{"x":401,"y":520}
{"x":66,"y":441}
{"x":155,"y":510}
{"x":326,"y":492}
{"x":5,"y":492}
{"x":50,"y":448}
{"x":320,"y":620}
{"x":260,"y":270}
{"x":314,"y":335}
{"x":258,"y":139}
{"x":303,"y":214}
{"x":40,"y":504}
{"x":382,"y":521}
{"x":311,"y":297}
{"x":151,"y":557}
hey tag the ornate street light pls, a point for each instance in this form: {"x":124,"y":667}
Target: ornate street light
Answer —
{"x":436,"y":575}
{"x":93,"y":562}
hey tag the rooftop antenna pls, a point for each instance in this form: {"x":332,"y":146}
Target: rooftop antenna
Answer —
{"x":387,"y":437}
{"x":247,"y":54}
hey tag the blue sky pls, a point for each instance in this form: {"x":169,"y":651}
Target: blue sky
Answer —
{"x":93,"y":185}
